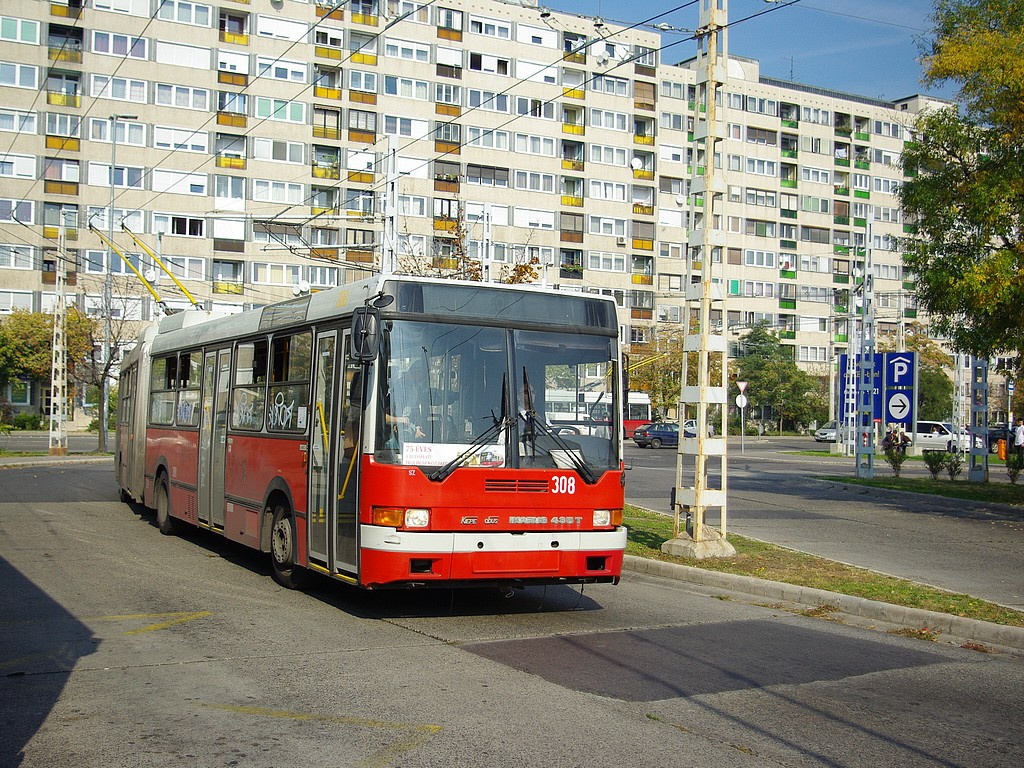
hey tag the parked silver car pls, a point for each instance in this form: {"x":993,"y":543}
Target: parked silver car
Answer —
{"x":827,"y":433}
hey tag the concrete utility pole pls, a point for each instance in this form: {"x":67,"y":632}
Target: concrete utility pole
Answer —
{"x":692,"y":502}
{"x":977,"y":470}
{"x":58,"y":442}
{"x":865,"y":450}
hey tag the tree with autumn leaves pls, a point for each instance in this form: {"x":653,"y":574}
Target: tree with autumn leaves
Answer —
{"x":965,"y":197}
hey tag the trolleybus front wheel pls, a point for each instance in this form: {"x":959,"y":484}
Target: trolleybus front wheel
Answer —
{"x":282,"y":550}
{"x":164,"y":521}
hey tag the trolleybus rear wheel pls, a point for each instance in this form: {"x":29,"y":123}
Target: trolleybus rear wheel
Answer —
{"x":164,"y":521}
{"x":282,"y":550}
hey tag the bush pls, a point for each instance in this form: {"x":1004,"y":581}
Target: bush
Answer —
{"x":954,"y":465}
{"x":28,"y":421}
{"x":894,"y":457}
{"x":1014,"y":464}
{"x":935,"y":461}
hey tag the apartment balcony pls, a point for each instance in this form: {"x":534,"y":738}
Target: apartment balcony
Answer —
{"x":234,"y":163}
{"x":862,"y":135}
{"x":790,"y":123}
{"x":234,"y":38}
{"x":570,"y":271}
{"x":445,"y":224}
{"x":63,"y":143}
{"x":362,"y":97}
{"x":644,"y":71}
{"x":909,"y":285}
{"x":841,"y":220}
{"x":844,"y":130}
{"x":575,"y":129}
{"x":860,"y":222}
{"x":791,"y":153}
{"x":648,"y":106}
{"x":787,"y":213}
{"x":787,"y":183}
{"x":232,"y":119}
{"x":447,"y":185}
{"x":327,"y":52}
{"x":783,"y":243}
{"x":53,"y":187}
{"x":337,"y":14}
{"x":572,"y":201}
{"x":366,"y":19}
{"x":787,"y":274}
{"x":643,"y":210}
{"x":448,"y":110}
{"x":232,"y":287}
{"x":639,"y":313}
{"x":842,"y":191}
{"x":447,"y":147}
{"x":323,"y":92}
{"x":359,"y":255}
{"x":455,"y":35}
{"x":444,"y":262}
{"x":369,"y":59}
{"x":787,"y":334}
{"x":910,"y":313}
{"x":841,"y":279}
{"x":646,"y":141}
{"x":66,"y":53}
{"x":573,"y":165}
{"x":840,"y":338}
{"x":232,"y":78}
{"x":642,"y":244}
{"x":641,"y":173}
{"x":841,"y":250}
{"x":318,"y":210}
{"x":842,"y":162}
{"x":574,"y":93}
{"x":787,"y":304}
{"x":360,"y":177}
{"x":53,"y":233}
{"x":50,"y":277}
{"x":326,"y":171}
{"x":326,"y":132}
{"x":63,"y":99}
{"x":330,"y":254}
{"x":362,"y":137}
{"x":568,"y":236}
{"x":576,"y":57}
{"x":638,"y":279}
{"x":65,"y":11}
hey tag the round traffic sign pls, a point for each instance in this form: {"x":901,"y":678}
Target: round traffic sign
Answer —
{"x":741,"y":401}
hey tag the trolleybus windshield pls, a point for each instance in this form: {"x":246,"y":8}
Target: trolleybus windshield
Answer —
{"x":451,"y":396}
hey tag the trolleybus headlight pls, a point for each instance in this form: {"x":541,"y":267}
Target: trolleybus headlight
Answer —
{"x":417,"y":518}
{"x":606,"y":517}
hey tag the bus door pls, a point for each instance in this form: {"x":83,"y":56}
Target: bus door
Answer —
{"x":353,"y":387}
{"x":319,"y":451}
{"x":213,"y":436}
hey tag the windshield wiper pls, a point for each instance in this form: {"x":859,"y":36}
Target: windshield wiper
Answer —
{"x":533,"y":424}
{"x":441,"y":473}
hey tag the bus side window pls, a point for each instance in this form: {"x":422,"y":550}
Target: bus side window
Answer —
{"x":288,"y":398}
{"x":249,"y":395}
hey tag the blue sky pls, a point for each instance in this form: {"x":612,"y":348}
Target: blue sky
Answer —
{"x":865,"y":47}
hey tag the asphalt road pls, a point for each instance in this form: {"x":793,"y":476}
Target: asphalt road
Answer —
{"x":775,"y":496}
{"x":123,"y":647}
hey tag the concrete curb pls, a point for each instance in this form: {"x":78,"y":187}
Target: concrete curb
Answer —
{"x":28,"y":462}
{"x":947,"y":624}
{"x":891,"y":494}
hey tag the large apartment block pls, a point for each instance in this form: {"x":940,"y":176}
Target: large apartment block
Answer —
{"x":267,"y":147}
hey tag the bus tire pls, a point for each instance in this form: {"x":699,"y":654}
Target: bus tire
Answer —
{"x":164,"y":521}
{"x":282,"y":550}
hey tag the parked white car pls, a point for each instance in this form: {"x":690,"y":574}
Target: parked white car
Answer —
{"x":827,"y":433}
{"x":934,"y":436}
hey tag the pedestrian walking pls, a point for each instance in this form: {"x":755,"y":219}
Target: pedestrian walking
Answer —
{"x":1018,"y":437}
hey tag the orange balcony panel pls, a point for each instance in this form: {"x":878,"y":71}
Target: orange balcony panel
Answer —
{"x":449,"y":110}
{"x":449,"y":34}
{"x":50,"y":278}
{"x":338,"y":14}
{"x":360,"y":177}
{"x":446,"y":225}
{"x":362,"y":137}
{"x":639,"y":244}
{"x":232,"y":78}
{"x":63,"y":143}
{"x":363,"y":257}
{"x":444,"y":262}
{"x":324,"y":253}
{"x":326,"y":172}
{"x":570,"y":237}
{"x":321,"y":92}
{"x":362,"y":97}
{"x":232,"y":119}
{"x":447,"y":147}
{"x":60,"y":187}
{"x":641,"y":314}
{"x":575,"y":58}
{"x":235,"y":163}
{"x":643,"y":280}
{"x":65,"y":11}
{"x":450,"y":186}
{"x":641,"y":104}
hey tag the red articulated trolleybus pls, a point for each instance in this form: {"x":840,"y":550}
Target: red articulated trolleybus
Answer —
{"x":387,"y":433}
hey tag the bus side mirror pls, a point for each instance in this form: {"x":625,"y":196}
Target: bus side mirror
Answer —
{"x":364,"y":342}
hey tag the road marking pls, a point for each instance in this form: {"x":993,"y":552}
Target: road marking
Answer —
{"x":417,"y":733}
{"x":171,"y":620}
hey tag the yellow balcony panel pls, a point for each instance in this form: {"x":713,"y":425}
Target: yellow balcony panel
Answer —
{"x":445,"y":225}
{"x":368,"y":19}
{"x":236,"y":163}
{"x":53,"y":233}
{"x":52,"y":187}
{"x":325,"y":132}
{"x":232,"y":78}
{"x":571,"y":200}
{"x":234,"y":38}
{"x":63,"y":143}
{"x":228,"y":286}
{"x":448,"y":110}
{"x":326,"y":52}
{"x":362,"y":97}
{"x":639,"y":244}
{"x":447,"y":147}
{"x":446,"y":262}
{"x":643,"y":104}
{"x":574,"y":93}
{"x":232,"y":119}
{"x":321,"y":92}
{"x":575,"y":58}
{"x":365,"y":58}
{"x":640,"y":173}
{"x":320,"y":211}
{"x":63,"y":99}
{"x":646,"y":140}
{"x":362,"y":137}
{"x":324,"y":253}
{"x":449,"y":34}
{"x":643,"y":210}
{"x":326,"y":172}
{"x":65,"y":11}
{"x":573,"y":165}
{"x":360,"y":256}
{"x":643,"y":280}
{"x":338,"y":14}
{"x":574,"y":129}
{"x":360,"y":177}
{"x":71,"y":55}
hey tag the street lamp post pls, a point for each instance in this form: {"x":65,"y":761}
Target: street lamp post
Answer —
{"x":107,"y":330}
